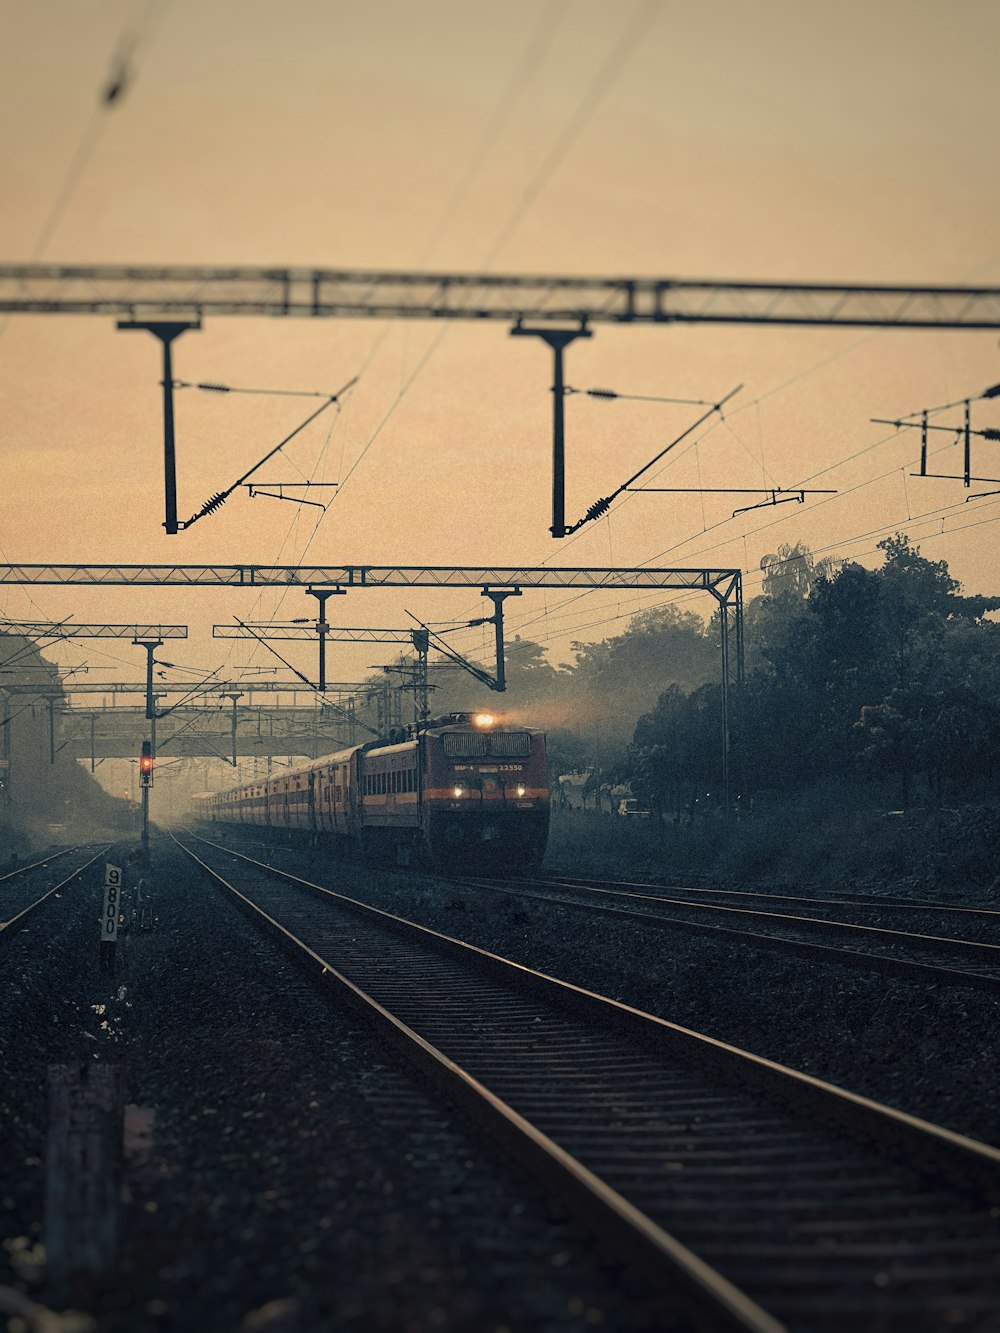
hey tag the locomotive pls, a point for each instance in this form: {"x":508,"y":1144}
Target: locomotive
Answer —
{"x":463,"y":790}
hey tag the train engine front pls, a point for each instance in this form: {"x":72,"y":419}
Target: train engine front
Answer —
{"x":485,"y":792}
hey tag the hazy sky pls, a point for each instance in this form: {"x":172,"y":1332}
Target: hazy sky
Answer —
{"x":764,"y":140}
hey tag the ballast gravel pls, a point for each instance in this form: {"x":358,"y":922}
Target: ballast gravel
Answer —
{"x":928,"y":1049}
{"x":283,"y":1173}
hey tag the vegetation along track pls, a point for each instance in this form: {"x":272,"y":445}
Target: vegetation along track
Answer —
{"x":916,"y":955}
{"x":23,"y":891}
{"x":773,"y":1199}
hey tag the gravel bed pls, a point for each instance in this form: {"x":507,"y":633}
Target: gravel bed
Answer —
{"x":929,"y":1050}
{"x":292,"y":1177}
{"x":20,"y":889}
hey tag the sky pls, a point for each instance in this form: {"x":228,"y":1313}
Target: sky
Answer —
{"x":769,"y":141}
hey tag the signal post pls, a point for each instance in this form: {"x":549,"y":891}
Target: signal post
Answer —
{"x":145,"y":782}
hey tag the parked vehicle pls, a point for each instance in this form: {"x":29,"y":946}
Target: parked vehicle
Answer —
{"x":631,"y":807}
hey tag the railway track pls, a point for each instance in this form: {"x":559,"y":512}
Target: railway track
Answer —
{"x":23,"y":891}
{"x":918,"y":955}
{"x":985,"y":918}
{"x":771,"y":1199}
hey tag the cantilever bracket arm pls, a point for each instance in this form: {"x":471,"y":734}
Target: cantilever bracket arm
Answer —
{"x":600,"y":507}
{"x":498,"y":682}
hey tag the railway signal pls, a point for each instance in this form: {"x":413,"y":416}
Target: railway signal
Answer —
{"x":145,"y":782}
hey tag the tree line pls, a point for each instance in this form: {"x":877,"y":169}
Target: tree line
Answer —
{"x":887,"y":677}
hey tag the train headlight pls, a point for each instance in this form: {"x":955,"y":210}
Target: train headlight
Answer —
{"x":484,"y":719}
{"x":522,"y":791}
{"x":459,"y":791}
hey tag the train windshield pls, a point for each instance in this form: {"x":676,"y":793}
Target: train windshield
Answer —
{"x":482,"y":745}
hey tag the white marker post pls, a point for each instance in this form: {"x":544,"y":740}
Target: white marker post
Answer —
{"x":113,"y":880}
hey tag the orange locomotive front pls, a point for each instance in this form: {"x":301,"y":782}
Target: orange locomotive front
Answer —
{"x":486,"y":793}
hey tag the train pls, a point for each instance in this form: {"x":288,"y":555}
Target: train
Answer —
{"x":462,"y":790}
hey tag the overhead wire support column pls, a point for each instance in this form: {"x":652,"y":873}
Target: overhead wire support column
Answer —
{"x":322,"y":625}
{"x":724,"y":635}
{"x":558,"y":340}
{"x":733,"y":596}
{"x":235,"y":722}
{"x":166,"y":331}
{"x":740,"y":651}
{"x":150,"y":646}
{"x":498,"y":599}
{"x":923,"y":443}
{"x":421,"y":685}
{"x":968,"y":444}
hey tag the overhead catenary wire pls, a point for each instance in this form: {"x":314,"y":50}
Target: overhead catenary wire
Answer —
{"x":121,"y":73}
{"x":327,"y":702}
{"x":551,"y":615}
{"x":597,"y":90}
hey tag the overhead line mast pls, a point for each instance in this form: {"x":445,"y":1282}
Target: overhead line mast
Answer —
{"x":167,"y":301}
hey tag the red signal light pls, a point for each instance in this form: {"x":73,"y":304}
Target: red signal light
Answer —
{"x":146,"y":764}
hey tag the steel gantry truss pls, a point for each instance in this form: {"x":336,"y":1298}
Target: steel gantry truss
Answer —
{"x":348,"y":577}
{"x":192,"y":292}
{"x":71,"y":629}
{"x":169,"y":301}
{"x":495,"y":581}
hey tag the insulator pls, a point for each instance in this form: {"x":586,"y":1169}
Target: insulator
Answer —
{"x":210,"y":506}
{"x":992,"y":392}
{"x":598,"y":508}
{"x":214,"y":388}
{"x":991,"y":433}
{"x":602,"y":393}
